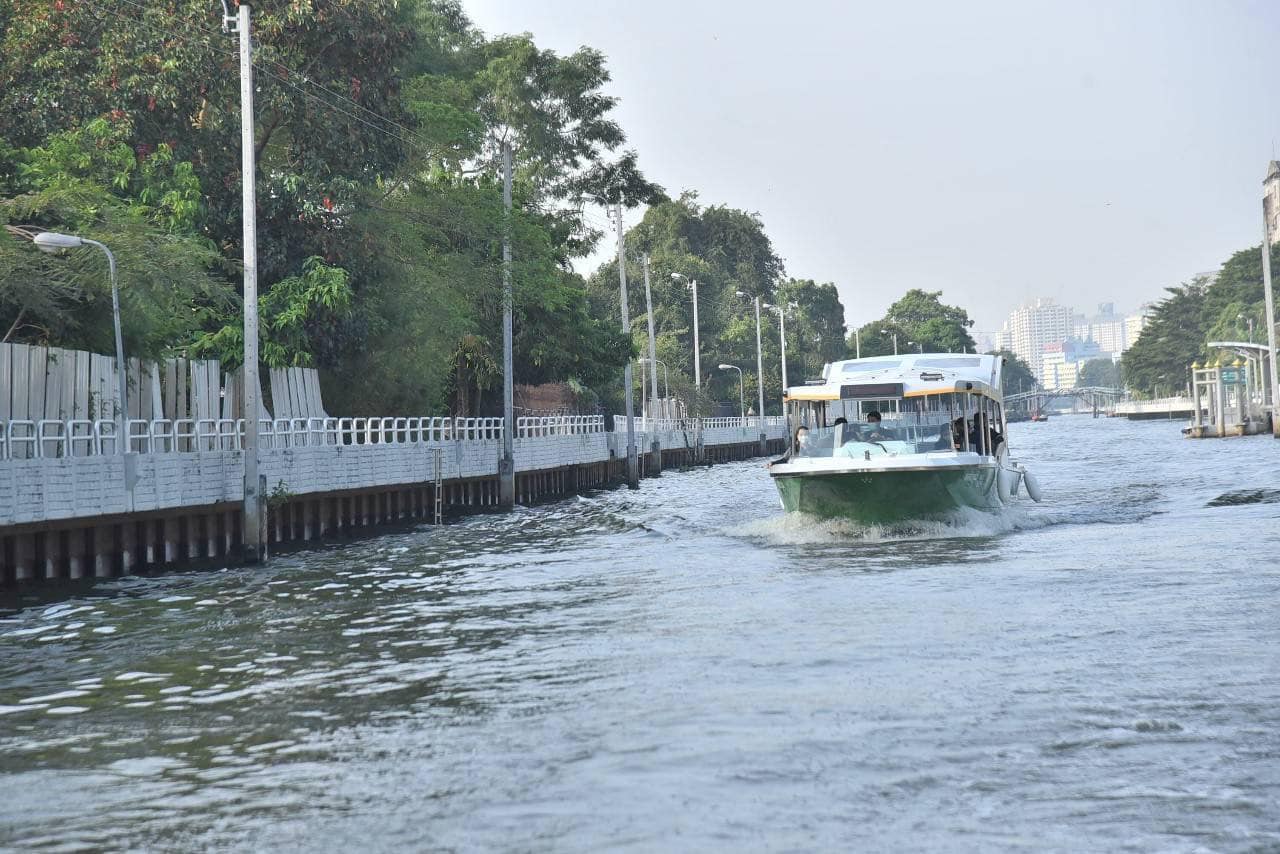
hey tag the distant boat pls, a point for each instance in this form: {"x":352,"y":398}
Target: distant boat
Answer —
{"x":939,"y":447}
{"x":1039,"y":416}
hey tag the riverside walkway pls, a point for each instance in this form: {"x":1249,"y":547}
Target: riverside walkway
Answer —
{"x":73,"y":505}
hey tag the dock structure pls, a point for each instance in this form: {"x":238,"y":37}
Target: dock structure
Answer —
{"x":78,"y":499}
{"x":1160,"y":408}
{"x":1233,"y":396}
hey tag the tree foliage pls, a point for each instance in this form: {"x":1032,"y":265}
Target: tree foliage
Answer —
{"x":1016,"y":376}
{"x":1102,"y":373}
{"x":920,"y":321}
{"x":378,"y":129}
{"x":1172,"y":339}
{"x":88,"y":182}
{"x":730,"y":256}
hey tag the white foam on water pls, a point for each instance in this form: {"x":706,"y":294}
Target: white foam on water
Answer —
{"x":788,"y":529}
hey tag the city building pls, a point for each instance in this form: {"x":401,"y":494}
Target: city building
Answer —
{"x":1033,"y":325}
{"x":1134,"y":324}
{"x":1106,"y":329}
{"x":987,"y":342}
{"x":1271,"y":199}
{"x":1062,"y":361}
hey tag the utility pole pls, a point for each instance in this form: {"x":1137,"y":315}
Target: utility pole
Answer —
{"x":764,"y":448}
{"x":782,"y":336}
{"x":507,"y":465}
{"x":252,"y":542}
{"x":697,"y":347}
{"x":857,"y":343}
{"x":633,"y":463}
{"x":653,"y":345}
{"x":1271,"y":320}
{"x":655,"y":447}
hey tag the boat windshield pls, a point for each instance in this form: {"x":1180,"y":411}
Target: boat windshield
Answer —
{"x":922,"y":424}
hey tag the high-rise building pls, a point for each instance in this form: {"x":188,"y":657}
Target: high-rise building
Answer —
{"x":1062,"y":361}
{"x":1271,"y":199}
{"x":986,"y":342}
{"x":1030,"y":327}
{"x":1106,"y":329}
{"x":1133,"y":326}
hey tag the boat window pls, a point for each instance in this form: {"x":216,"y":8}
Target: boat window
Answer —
{"x":867,"y":367}
{"x":949,"y":362}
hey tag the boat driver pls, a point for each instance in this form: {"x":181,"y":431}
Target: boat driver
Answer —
{"x":877,"y":433}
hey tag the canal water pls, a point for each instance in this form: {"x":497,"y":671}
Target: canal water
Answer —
{"x":684,"y":668}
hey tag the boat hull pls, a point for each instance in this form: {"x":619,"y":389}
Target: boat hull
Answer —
{"x":889,"y":496}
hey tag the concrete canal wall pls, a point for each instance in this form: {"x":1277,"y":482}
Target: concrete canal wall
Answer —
{"x":74,"y":507}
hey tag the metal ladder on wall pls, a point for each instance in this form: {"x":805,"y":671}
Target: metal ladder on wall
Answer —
{"x":438,"y":491}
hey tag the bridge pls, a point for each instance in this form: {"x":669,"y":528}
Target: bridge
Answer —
{"x":1097,"y":397}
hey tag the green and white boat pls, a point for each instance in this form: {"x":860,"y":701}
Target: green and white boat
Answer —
{"x":894,"y":438}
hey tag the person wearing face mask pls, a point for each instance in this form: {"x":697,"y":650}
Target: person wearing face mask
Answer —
{"x":798,"y":448}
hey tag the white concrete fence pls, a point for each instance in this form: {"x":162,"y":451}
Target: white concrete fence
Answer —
{"x":57,"y":439}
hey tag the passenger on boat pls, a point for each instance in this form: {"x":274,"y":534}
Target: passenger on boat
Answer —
{"x":799,"y":447}
{"x":877,"y":433}
{"x":984,"y":438}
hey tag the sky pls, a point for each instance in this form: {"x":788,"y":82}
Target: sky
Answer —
{"x":1085,"y":151}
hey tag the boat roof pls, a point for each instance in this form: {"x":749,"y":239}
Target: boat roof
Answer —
{"x":907,"y":375}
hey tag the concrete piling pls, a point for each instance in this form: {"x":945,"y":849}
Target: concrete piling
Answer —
{"x":103,"y":551}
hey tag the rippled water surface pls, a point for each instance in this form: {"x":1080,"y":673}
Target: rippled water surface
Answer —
{"x":683,"y":667}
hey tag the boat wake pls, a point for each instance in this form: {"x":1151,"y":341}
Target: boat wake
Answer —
{"x":789,"y":529}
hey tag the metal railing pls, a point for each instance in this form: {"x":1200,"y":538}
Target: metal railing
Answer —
{"x":54,"y":439}
{"x":656,"y":425}
{"x":23,"y":439}
{"x":529,"y":427}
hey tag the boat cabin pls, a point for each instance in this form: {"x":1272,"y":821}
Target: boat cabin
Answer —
{"x":925,"y":403}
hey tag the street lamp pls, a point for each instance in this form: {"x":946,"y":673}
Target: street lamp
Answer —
{"x":666,"y":377}
{"x":759,"y":359}
{"x":895,"y":340}
{"x":742,"y":400}
{"x":915,"y":344}
{"x":697,"y":350}
{"x":52,"y":241}
{"x":782,"y":336}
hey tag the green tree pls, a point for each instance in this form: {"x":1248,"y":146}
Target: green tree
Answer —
{"x":1016,"y":375}
{"x":921,"y":322}
{"x":1102,"y":373}
{"x":1220,"y":307}
{"x":379,"y":218}
{"x":815,"y":327}
{"x":1173,"y":338}
{"x":729,"y":254}
{"x":87,"y":181}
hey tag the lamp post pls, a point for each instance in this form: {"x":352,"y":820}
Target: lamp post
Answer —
{"x":742,"y":399}
{"x":697,"y":350}
{"x":759,"y":354}
{"x":666,"y":377}
{"x":253,"y":541}
{"x":895,"y":340}
{"x":52,"y":241}
{"x":782,"y":337}
{"x":914,"y":344}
